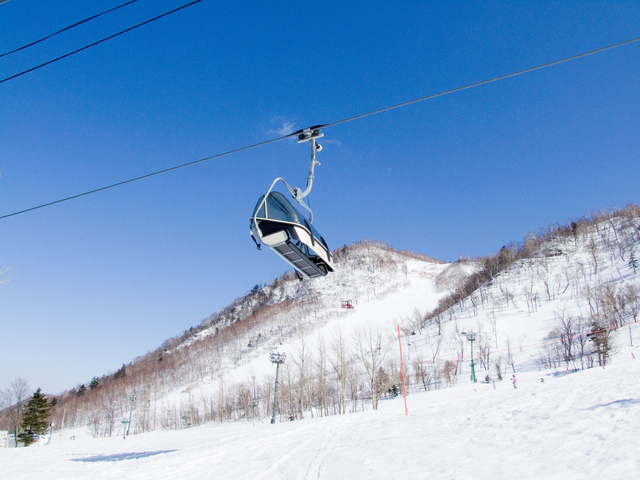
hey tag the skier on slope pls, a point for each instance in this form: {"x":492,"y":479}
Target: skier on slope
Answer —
{"x":514,"y":380}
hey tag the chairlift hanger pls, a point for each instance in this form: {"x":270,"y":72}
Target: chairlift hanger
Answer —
{"x":278,"y":224}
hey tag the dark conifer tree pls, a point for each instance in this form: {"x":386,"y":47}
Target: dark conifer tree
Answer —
{"x":35,"y":420}
{"x":121,"y":373}
{"x":95,"y":383}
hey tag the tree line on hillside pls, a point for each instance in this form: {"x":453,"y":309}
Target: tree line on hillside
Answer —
{"x":327,"y":376}
{"x":622,"y":221}
{"x":580,"y":339}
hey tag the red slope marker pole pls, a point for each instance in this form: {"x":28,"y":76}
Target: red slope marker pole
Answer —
{"x":404,"y":389}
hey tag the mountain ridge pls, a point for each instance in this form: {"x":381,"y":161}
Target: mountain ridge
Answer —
{"x":219,"y":369}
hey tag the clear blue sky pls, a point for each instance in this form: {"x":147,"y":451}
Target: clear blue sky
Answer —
{"x":100,"y":280}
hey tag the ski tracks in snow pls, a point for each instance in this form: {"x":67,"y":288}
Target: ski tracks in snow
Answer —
{"x":305,"y":460}
{"x":316,"y":465}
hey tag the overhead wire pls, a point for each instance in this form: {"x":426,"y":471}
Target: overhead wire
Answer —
{"x":338,"y":122}
{"x":66,"y":28}
{"x":477,"y":84}
{"x":124,"y":182}
{"x":98,"y":42}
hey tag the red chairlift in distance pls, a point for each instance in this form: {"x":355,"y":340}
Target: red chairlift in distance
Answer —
{"x":346,"y":304}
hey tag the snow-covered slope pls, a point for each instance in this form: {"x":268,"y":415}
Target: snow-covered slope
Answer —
{"x":400,"y":288}
{"x":542,"y":310}
{"x":539,"y":311}
{"x":572,"y":426}
{"x":217,"y":370}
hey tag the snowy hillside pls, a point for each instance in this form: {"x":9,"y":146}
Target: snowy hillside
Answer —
{"x":560,"y":307}
{"x":219,"y":370}
{"x":540,"y":312}
{"x":572,"y":426}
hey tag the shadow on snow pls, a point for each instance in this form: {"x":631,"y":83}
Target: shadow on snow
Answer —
{"x":117,"y":457}
{"x":626,"y":401}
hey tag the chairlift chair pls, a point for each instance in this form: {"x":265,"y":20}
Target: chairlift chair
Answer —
{"x":346,"y":304}
{"x":280,"y":226}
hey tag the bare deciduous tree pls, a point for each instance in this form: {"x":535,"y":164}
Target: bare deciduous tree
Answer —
{"x":12,"y":399}
{"x":371,"y":345}
{"x":423,"y":373}
{"x":449,"y":371}
{"x":340,"y":364}
{"x":301,"y":361}
{"x":602,"y":342}
{"x":322,"y":374}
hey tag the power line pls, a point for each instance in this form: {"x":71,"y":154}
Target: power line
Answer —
{"x":483,"y":82}
{"x":98,"y":42}
{"x":144,"y":176}
{"x":66,"y":28}
{"x":356,"y":117}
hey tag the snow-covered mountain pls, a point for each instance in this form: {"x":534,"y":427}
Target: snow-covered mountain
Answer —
{"x":563,"y":299}
{"x":559,"y":311}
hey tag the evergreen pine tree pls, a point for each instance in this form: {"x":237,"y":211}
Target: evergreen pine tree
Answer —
{"x":633,"y":262}
{"x":35,"y":419}
{"x":394,"y":391}
{"x":574,"y":230}
{"x":121,"y":373}
{"x":382,"y":381}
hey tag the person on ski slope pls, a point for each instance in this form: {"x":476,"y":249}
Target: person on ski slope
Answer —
{"x":514,"y":380}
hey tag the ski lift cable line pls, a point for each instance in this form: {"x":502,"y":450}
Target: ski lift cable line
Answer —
{"x":483,"y":82}
{"x":98,"y":42}
{"x":66,"y":28}
{"x":338,"y":122}
{"x":124,"y":182}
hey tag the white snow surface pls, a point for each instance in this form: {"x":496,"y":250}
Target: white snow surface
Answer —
{"x":573,"y":425}
{"x":389,"y":310}
{"x":577,"y":423}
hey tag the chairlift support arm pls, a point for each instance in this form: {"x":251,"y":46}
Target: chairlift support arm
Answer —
{"x":308,"y":135}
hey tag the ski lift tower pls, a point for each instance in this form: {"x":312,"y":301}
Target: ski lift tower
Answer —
{"x":126,"y":423}
{"x":472,"y":338}
{"x":278,"y":359}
